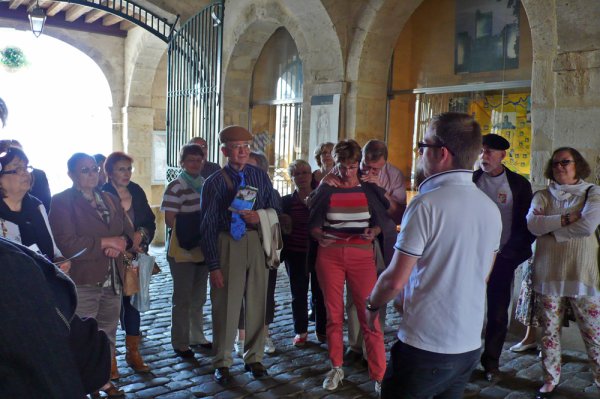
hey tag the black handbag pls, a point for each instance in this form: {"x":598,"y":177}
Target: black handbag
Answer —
{"x":188,"y":229}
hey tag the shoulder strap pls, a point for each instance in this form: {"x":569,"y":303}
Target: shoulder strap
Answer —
{"x":227,"y":178}
{"x":587,"y":193}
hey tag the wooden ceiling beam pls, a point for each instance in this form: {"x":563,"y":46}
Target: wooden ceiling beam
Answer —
{"x":75,"y":12}
{"x":111,"y":19}
{"x":15,"y":3}
{"x":56,"y":7}
{"x":94,"y":15}
{"x":127,"y":25}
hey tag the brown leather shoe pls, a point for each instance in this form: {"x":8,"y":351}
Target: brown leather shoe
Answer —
{"x":113,"y":392}
{"x":222,"y":375}
{"x":114,"y":370}
{"x":133,"y":357}
{"x":257,"y":369}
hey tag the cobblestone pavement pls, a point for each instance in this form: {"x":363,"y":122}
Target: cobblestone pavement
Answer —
{"x":299,"y":373}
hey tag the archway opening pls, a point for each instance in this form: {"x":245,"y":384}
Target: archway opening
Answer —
{"x":276,"y":106}
{"x":58,"y":102}
{"x":466,"y":56}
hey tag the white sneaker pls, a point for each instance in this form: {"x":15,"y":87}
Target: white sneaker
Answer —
{"x":269,"y":345}
{"x":333,"y":379}
{"x":238,"y":347}
{"x":378,"y":388}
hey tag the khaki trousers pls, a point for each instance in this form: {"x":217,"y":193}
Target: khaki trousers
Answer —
{"x":102,"y":304}
{"x":243,"y":267}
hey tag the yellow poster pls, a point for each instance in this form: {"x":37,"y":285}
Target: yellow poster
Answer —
{"x":508,"y":116}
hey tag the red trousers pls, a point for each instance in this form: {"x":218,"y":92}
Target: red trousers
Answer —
{"x":335,"y":266}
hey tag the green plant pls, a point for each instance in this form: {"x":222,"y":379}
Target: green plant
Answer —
{"x":13,"y":58}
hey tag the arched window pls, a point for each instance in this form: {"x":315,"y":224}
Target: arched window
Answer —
{"x":276,"y":106}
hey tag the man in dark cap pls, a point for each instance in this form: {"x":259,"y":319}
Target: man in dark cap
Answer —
{"x":512,"y":194}
{"x":234,"y":254}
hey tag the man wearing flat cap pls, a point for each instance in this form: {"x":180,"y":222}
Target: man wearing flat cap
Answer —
{"x":512,"y":194}
{"x":234,"y":254}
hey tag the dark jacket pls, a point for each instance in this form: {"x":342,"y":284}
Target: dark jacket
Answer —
{"x":46,"y":351}
{"x":31,"y":223}
{"x":144,"y":217}
{"x":518,"y":246}
{"x":77,"y":225}
{"x":41,"y":188}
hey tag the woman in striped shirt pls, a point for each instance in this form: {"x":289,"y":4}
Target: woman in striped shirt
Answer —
{"x":189,"y":277}
{"x":345,"y":221}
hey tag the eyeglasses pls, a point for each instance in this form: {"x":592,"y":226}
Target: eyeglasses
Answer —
{"x":421,"y":146}
{"x":563,"y":162}
{"x":123,"y":170}
{"x":89,"y":171}
{"x":21,"y":170}
{"x":237,"y":147}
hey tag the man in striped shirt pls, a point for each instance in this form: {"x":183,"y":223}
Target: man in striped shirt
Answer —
{"x":236,"y":265}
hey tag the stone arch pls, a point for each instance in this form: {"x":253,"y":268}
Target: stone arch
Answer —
{"x":252,"y":24}
{"x":371,"y":51}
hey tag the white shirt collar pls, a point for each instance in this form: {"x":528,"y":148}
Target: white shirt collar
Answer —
{"x":455,"y":177}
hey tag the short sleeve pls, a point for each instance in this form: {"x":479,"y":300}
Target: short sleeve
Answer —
{"x":172,"y":201}
{"x":415,"y":229}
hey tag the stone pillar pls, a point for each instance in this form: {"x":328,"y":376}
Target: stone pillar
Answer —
{"x":138,"y":125}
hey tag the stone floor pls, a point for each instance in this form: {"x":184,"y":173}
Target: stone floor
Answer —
{"x":298,"y":373}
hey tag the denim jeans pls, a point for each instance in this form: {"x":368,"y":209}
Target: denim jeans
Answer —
{"x":417,"y":374}
{"x":130,"y":317}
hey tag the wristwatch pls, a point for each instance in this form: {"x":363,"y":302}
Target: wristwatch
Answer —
{"x":370,"y":307}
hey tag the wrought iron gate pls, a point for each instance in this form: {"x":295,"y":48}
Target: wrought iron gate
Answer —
{"x":194,"y":84}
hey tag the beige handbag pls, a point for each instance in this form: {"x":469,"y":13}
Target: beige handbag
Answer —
{"x":181,"y":255}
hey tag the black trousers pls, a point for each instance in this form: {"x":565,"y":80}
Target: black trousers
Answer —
{"x":499,"y":292}
{"x":300,"y":274}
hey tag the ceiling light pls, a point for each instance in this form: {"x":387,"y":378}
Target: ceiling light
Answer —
{"x":37,"y":18}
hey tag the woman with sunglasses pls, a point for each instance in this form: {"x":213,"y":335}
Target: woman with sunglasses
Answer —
{"x":119,"y":167}
{"x":91,"y":226}
{"x":564,"y":217}
{"x":23,"y":218}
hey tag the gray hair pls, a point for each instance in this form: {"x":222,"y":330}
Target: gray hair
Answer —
{"x":261,"y":160}
{"x":296,"y":164}
{"x":374,"y":150}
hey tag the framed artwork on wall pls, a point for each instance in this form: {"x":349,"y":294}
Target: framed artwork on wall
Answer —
{"x":487,"y":35}
{"x":324,"y":123}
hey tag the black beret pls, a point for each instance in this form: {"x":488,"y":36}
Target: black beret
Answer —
{"x":495,"y":142}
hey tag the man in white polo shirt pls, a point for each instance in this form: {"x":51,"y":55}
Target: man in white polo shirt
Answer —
{"x":444,"y":253}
